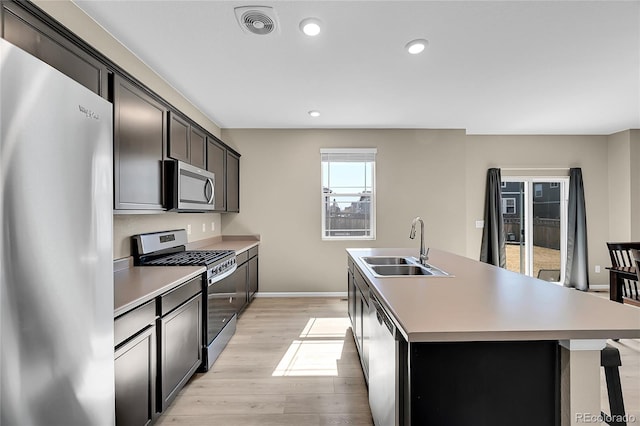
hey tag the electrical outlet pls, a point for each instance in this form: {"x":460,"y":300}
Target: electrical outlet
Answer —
{"x":204,"y":227}
{"x":479,"y":224}
{"x":597,"y":269}
{"x":189,"y":229}
{"x":213,"y":226}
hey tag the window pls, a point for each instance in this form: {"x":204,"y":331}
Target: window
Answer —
{"x":554,"y":185}
{"x":538,"y":190}
{"x":504,"y":184}
{"x":508,"y":205}
{"x":348,"y":194}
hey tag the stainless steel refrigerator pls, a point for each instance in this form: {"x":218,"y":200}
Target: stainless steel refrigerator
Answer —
{"x":56,"y":300}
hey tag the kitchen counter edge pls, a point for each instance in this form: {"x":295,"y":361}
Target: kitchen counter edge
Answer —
{"x":481,"y":302}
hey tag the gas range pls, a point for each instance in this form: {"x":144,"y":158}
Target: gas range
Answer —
{"x":219,"y":298}
{"x":168,"y":248}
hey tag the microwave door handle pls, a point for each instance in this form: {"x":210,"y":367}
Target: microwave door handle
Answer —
{"x":210,"y":199}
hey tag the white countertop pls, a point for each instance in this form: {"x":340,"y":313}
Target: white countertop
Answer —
{"x":485,"y":303}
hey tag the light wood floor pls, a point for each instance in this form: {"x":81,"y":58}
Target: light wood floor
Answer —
{"x":293,"y":362}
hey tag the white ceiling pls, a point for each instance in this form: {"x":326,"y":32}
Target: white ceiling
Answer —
{"x":501,"y":67}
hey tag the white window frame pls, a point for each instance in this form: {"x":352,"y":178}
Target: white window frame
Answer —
{"x":371,"y":152}
{"x":505,"y":205}
{"x":529,"y":188}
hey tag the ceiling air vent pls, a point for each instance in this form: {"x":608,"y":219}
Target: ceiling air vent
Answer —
{"x":260,"y":20}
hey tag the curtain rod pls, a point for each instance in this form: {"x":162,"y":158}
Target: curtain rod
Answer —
{"x":534,"y":168}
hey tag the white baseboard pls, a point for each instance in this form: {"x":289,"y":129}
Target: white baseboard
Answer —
{"x":342,"y":294}
{"x":599,"y":287}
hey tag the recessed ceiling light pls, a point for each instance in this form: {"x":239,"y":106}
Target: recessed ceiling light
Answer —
{"x":314,"y":113}
{"x":416,"y":46}
{"x":310,"y":26}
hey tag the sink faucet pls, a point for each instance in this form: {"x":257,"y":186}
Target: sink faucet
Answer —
{"x":423,"y":252}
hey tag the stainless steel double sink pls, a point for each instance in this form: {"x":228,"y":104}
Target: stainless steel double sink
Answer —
{"x":401,"y":266}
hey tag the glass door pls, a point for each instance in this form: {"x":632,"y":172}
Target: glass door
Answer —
{"x":534,"y":214}
{"x":513,"y":206}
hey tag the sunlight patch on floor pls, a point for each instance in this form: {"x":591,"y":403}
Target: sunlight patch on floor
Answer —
{"x":325,"y":328}
{"x":318,"y":350}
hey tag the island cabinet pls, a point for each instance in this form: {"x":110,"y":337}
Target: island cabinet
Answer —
{"x":180,"y":338}
{"x":139,"y":143}
{"x":135,"y":366}
{"x":500,"y":382}
{"x":186,"y":141}
{"x":358,"y":302}
{"x":39,"y":38}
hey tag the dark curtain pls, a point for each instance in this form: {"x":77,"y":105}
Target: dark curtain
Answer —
{"x":492,"y":250}
{"x":577,"y":273}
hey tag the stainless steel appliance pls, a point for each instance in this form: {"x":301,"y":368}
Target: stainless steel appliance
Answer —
{"x":56,"y":257}
{"x":384,"y":386}
{"x":168,"y":248}
{"x":189,"y":188}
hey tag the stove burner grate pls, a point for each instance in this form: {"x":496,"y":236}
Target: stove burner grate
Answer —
{"x":192,"y":257}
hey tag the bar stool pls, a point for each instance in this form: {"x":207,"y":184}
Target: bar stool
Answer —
{"x":610,"y":360}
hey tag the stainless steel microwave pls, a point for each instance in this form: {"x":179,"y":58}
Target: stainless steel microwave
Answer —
{"x":189,"y":188}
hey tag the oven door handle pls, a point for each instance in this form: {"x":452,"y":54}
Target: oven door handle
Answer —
{"x":224,"y":275}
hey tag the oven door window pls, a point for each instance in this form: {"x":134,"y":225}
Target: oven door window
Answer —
{"x":220,"y":306}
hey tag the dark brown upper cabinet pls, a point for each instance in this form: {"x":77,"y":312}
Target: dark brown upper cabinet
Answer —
{"x":216,"y":160}
{"x":179,"y":132}
{"x":198,"y":148}
{"x":139,"y":143}
{"x":31,"y":34}
{"x":186,"y":142}
{"x":233,"y":182}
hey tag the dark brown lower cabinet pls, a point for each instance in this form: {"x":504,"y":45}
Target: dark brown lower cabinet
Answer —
{"x":180,"y":346}
{"x":240,"y":280}
{"x":136,"y":366}
{"x":245,"y":278}
{"x":252,"y":279}
{"x":135,"y":369}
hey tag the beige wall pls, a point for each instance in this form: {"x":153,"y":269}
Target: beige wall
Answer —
{"x":624,"y":186}
{"x":124,"y":226}
{"x":280,"y":199}
{"x":437,"y":174}
{"x":619,"y":187}
{"x":634,"y":179}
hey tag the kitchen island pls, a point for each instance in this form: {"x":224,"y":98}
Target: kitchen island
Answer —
{"x":485,"y":345}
